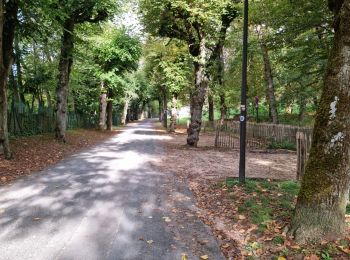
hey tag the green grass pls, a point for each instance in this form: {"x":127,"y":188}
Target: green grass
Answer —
{"x":263,"y":200}
{"x":282,"y":145}
{"x":183,"y":121}
{"x":278,"y":240}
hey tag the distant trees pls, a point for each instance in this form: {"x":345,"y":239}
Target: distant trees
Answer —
{"x":116,"y":53}
{"x":168,"y":70}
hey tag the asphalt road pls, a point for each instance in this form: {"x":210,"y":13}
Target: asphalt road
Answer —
{"x":104,"y":203}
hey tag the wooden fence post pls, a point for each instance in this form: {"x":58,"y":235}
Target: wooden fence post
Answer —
{"x":301,"y":154}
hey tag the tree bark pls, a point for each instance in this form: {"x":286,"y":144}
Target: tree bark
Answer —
{"x":103,"y":107}
{"x":165,"y":108}
{"x":198,"y":97}
{"x":15,"y":93}
{"x":8,"y":21}
{"x":142,"y":114}
{"x":19,"y":68}
{"x":223,"y":108}
{"x":321,"y":205}
{"x":125,"y":112}
{"x":302,"y":110}
{"x":150,"y":112}
{"x":269,"y":83}
{"x":109,"y":115}
{"x":65,"y":65}
{"x":161,"y":112}
{"x":173,"y":113}
{"x":48,"y":98}
{"x":211,"y":108}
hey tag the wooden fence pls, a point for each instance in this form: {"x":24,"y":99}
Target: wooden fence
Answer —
{"x":304,"y":141}
{"x":262,"y":136}
{"x":259,"y":136}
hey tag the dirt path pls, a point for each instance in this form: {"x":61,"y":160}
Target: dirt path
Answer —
{"x":206,"y":162}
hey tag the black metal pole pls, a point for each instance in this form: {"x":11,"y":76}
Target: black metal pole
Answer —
{"x":243,"y":117}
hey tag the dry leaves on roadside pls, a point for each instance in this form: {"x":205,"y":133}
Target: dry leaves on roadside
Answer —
{"x":35,"y":153}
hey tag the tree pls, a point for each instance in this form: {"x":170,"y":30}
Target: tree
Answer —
{"x":73,"y":13}
{"x":195,"y":23}
{"x":321,"y":205}
{"x":8,"y":22}
{"x":116,"y":53}
{"x":168,"y":69}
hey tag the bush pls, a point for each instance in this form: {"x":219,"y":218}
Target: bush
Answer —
{"x":282,"y":145}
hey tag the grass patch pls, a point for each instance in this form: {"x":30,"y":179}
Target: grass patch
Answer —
{"x":261,"y":210}
{"x":278,"y":240}
{"x":287,"y":145}
{"x":263,"y":201}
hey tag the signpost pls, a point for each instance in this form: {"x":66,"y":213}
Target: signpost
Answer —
{"x":243,"y":117}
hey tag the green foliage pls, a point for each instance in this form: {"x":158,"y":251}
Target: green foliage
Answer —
{"x":115,"y":51}
{"x":168,"y":66}
{"x":286,"y":144}
{"x":278,"y":240}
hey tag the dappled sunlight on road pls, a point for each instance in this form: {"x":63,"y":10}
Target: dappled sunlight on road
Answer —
{"x":98,"y":201}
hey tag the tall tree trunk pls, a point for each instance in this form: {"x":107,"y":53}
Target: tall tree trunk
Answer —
{"x":198,"y":97}
{"x":142,"y":114}
{"x":211,"y":108}
{"x":103,"y":107}
{"x":65,"y":65}
{"x":18,"y":55}
{"x":150,"y":111}
{"x":109,"y":115}
{"x":223,"y":108}
{"x":125,"y":112}
{"x":269,"y":83}
{"x":13,"y":83}
{"x":165,"y":108}
{"x":173,"y":113}
{"x":8,"y":21}
{"x":302,"y":109}
{"x":160,"y":102}
{"x":321,"y":205}
{"x":48,"y":98}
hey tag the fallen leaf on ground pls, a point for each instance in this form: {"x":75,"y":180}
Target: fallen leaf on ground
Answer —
{"x":204,"y":257}
{"x":167,"y":219}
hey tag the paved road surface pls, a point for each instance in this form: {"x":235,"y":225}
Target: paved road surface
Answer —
{"x":104,"y":203}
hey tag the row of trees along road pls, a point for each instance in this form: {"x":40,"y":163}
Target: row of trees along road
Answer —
{"x":191,"y":54}
{"x":288,"y":56}
{"x":41,"y":39}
